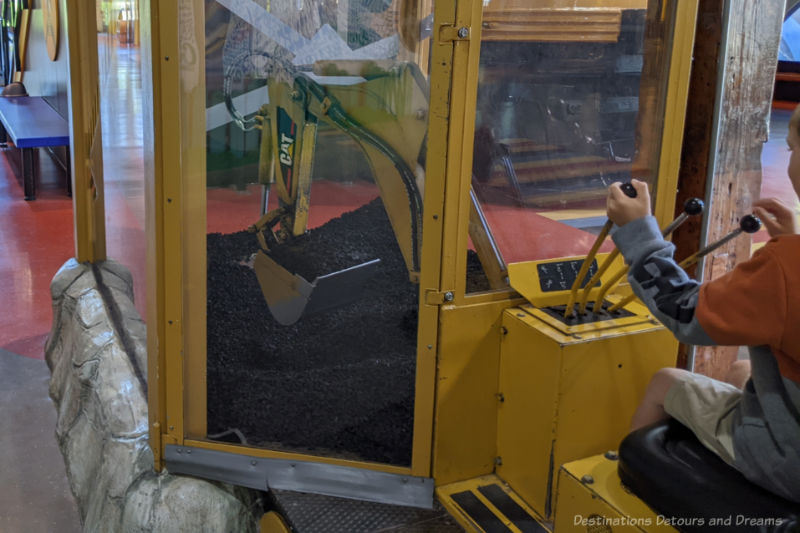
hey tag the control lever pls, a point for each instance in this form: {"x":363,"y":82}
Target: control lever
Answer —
{"x":692,"y":207}
{"x":748,"y":224}
{"x":629,"y":191}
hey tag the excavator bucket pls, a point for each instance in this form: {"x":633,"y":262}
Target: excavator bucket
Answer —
{"x":290,"y":296}
{"x":289,"y":127}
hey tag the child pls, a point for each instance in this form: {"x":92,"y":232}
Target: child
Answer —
{"x":754,"y":426}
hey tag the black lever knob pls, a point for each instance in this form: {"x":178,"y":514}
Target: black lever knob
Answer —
{"x":750,"y":224}
{"x":628,"y":189}
{"x":693,"y":206}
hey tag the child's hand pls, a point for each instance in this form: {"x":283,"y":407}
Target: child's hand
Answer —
{"x":778,"y":218}
{"x":622,"y":209}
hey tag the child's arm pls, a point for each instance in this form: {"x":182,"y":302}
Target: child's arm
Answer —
{"x":658,"y":281}
{"x":654,"y":275}
{"x":732,"y":310}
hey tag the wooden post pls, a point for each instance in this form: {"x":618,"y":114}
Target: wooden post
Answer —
{"x":699,"y":129}
{"x":750,"y":53}
{"x":86,"y":147}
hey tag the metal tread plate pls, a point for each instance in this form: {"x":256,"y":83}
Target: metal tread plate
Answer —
{"x":315,"y":513}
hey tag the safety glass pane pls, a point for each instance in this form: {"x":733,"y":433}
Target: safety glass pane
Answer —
{"x":570,"y":100}
{"x":316,"y":120}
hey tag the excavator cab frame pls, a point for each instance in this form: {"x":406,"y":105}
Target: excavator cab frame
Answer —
{"x":462,"y":416}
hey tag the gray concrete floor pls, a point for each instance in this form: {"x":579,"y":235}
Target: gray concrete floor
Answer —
{"x":34,"y":492}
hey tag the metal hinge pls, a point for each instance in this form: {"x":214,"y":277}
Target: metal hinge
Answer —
{"x":434,"y":297}
{"x":450,"y":32}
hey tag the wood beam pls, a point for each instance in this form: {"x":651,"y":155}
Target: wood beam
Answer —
{"x":698,"y":132}
{"x":751,"y":42}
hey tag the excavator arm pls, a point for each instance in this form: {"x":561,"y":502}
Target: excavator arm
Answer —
{"x":384,"y":111}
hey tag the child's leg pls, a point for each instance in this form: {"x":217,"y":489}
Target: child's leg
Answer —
{"x":651,"y":408}
{"x":708,"y":407}
{"x":739,"y":373}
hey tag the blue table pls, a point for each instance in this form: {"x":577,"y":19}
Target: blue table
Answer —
{"x":32,"y":123}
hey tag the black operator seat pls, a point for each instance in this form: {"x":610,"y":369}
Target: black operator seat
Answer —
{"x":680,"y":479}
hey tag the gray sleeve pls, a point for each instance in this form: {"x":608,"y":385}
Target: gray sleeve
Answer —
{"x":658,"y":281}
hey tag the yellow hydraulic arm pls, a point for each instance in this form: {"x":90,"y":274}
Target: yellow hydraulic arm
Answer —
{"x":384,"y":111}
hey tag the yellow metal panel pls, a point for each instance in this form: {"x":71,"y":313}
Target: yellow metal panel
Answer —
{"x":601,"y":385}
{"x":603,"y":502}
{"x":524,"y":277}
{"x":85,"y":135}
{"x":445,"y":493}
{"x":430,"y":257}
{"x":562,"y":395}
{"x":193,"y":212}
{"x":493,"y":296}
{"x":425,"y":388}
{"x":675,"y":110}
{"x":463,"y":98}
{"x":182,"y":158}
{"x":529,"y":373}
{"x":466,"y":400}
{"x":272,"y":522}
{"x":169,"y":177}
{"x":154,"y":225}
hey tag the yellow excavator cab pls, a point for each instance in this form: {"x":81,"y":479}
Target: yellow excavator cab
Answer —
{"x":382,"y":276}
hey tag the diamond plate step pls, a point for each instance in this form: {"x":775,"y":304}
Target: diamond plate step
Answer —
{"x":315,"y":513}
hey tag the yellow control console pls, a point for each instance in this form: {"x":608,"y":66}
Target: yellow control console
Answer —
{"x":566,"y":396}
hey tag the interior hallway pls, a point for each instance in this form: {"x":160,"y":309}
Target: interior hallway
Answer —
{"x":36,"y":238}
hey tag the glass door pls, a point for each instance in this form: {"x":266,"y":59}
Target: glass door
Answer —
{"x":314,"y":144}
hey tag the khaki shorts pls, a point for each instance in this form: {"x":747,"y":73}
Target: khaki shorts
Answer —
{"x":706,"y":406}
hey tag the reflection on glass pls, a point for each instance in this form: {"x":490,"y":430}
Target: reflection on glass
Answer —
{"x":316,"y":120}
{"x":570,"y":100}
{"x":790,"y":38}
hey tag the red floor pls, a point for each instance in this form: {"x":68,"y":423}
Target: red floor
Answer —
{"x":36,"y":238}
{"x":230,"y":211}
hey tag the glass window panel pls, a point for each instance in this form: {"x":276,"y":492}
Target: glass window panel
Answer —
{"x":790,"y":38}
{"x":570,"y":100}
{"x":316,"y":121}
{"x":123,"y":140}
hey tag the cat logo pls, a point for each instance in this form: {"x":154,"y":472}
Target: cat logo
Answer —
{"x":286,"y":150}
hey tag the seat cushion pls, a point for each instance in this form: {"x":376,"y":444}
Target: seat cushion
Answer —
{"x":679,"y":478}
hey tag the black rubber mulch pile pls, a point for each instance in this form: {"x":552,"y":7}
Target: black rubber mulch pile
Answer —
{"x":336,"y":383}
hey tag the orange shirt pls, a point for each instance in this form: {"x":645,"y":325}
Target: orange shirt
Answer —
{"x":758,"y":303}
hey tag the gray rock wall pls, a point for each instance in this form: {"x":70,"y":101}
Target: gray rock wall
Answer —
{"x":97,"y":356}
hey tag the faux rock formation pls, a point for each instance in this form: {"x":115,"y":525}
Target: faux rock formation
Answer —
{"x":96,"y":353}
